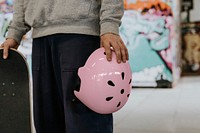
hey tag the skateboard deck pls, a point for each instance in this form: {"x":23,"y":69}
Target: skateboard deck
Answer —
{"x":14,"y":94}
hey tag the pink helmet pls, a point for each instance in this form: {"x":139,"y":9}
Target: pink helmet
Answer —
{"x":105,"y":86}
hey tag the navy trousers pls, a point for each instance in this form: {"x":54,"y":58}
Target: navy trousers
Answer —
{"x":55,"y":62}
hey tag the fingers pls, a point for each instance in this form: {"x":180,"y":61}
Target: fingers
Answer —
{"x":107,"y":50}
{"x":123,"y":52}
{"x":9,"y":43}
{"x":5,"y":51}
{"x":114,"y":41}
{"x":127,"y":55}
{"x":118,"y":53}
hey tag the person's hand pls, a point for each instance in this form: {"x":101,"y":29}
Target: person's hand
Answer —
{"x":9,"y":43}
{"x":114,"y":42}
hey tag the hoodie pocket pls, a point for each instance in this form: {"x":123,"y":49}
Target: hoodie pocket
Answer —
{"x":71,"y":9}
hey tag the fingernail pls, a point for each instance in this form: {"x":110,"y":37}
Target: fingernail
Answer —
{"x":4,"y":57}
{"x":109,"y":59}
{"x":118,"y":61}
{"x":124,"y":59}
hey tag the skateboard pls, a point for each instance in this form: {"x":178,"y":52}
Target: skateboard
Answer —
{"x":15,"y":116}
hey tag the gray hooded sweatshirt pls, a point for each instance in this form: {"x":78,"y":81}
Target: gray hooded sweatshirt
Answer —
{"x":46,"y":17}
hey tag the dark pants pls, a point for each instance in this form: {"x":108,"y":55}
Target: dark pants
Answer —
{"x":56,"y":59}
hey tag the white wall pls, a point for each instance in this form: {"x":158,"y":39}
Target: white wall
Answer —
{"x":195,"y":13}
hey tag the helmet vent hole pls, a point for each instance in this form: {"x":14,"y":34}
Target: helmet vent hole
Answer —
{"x":128,"y":95}
{"x":130,"y":81}
{"x":111,"y":83}
{"x":118,"y":104}
{"x":122,"y":75}
{"x":122,"y":91}
{"x":109,"y":98}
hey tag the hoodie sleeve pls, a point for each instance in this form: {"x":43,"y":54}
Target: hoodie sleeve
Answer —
{"x":110,"y":16}
{"x":18,"y":27}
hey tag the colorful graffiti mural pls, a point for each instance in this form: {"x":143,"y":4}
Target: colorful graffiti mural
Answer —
{"x":6,"y":10}
{"x":6,"y":6}
{"x":148,"y":31}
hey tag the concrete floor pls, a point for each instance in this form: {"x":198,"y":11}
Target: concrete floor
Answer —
{"x":174,"y":110}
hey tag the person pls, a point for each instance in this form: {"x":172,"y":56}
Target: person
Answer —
{"x":65,"y":33}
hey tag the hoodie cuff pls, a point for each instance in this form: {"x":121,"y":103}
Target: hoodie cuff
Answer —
{"x":109,"y":27}
{"x":15,"y":34}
